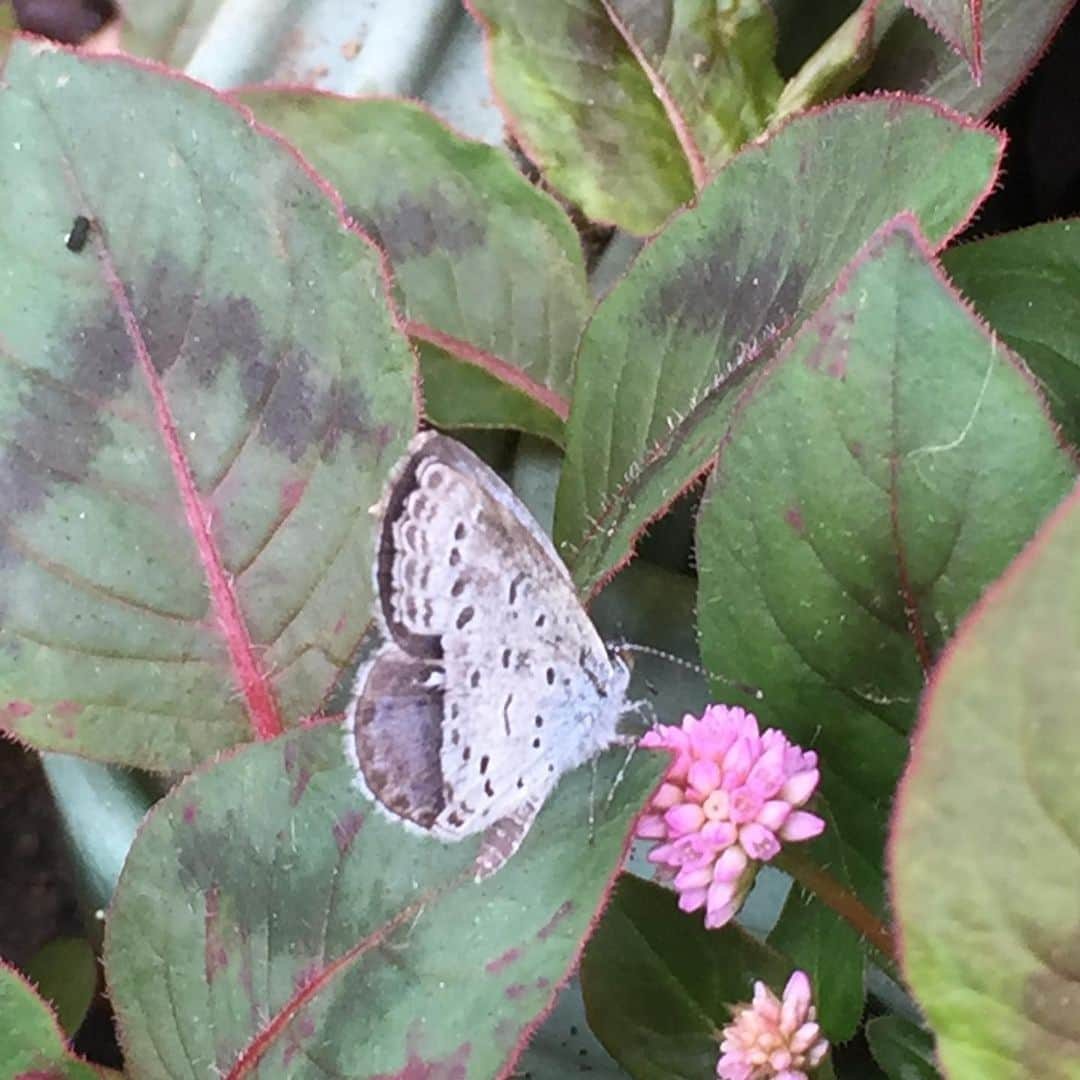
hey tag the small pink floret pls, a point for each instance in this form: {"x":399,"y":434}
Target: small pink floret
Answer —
{"x":729,"y":799}
{"x":773,"y":1038}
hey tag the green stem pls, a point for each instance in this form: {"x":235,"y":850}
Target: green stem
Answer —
{"x":844,"y":902}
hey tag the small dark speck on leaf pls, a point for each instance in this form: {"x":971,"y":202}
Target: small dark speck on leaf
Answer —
{"x":80,"y":230}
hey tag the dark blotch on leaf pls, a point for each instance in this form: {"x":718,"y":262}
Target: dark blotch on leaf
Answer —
{"x":299,"y":414}
{"x":416,"y":227}
{"x":1047,"y":994}
{"x":713,"y":296}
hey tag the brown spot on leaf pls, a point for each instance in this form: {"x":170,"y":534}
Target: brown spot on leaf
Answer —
{"x":504,"y":960}
{"x":14,"y":711}
{"x":515,"y":991}
{"x":300,"y":1029}
{"x":793,"y":516}
{"x":291,"y":492}
{"x":855,"y":449}
{"x":215,"y":955}
{"x":418,"y":1067}
{"x":297,"y":771}
{"x":345,"y":830}
{"x":190,"y":813}
{"x":548,"y":928}
{"x":67,"y":708}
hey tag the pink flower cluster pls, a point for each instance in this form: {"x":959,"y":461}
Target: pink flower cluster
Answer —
{"x":728,"y":800}
{"x":772,"y":1039}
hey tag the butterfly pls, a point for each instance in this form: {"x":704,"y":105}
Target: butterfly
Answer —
{"x":492,"y":681}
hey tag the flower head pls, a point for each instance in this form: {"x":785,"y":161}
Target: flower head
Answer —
{"x":771,"y":1038}
{"x":729,"y":799}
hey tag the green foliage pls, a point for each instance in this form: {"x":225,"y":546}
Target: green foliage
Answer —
{"x":829,"y":438}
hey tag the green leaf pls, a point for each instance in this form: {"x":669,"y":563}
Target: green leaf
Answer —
{"x":724,"y":285}
{"x":711,"y":66}
{"x":583,"y":106}
{"x":902,"y":1049}
{"x":659,"y":987}
{"x":835,"y":66}
{"x":270,"y":919}
{"x":166,"y":30}
{"x":628,"y":105}
{"x":489,"y":270}
{"x":959,"y":23}
{"x":65,"y":973}
{"x":853,"y":518}
{"x":984,"y":856}
{"x":32,"y":1045}
{"x":827,"y":948}
{"x":1015,"y":33}
{"x":192,"y":437}
{"x":1027,"y":285}
{"x":650,"y":606}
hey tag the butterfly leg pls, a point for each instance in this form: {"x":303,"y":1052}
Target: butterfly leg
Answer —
{"x":502,"y":839}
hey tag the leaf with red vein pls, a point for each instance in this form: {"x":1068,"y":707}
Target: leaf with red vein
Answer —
{"x":710,"y":65}
{"x":199,"y":408}
{"x":728,"y":282}
{"x":286,"y":926}
{"x":984,"y":856}
{"x":488,"y":270}
{"x":1015,"y":33}
{"x":32,"y":1046}
{"x":877,"y":476}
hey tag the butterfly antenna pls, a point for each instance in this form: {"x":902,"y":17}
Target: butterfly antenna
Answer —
{"x":629,"y":646}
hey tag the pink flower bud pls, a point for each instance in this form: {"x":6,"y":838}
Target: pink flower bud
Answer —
{"x":758,"y":842}
{"x":802,"y":826}
{"x":684,"y":818}
{"x":798,"y":788}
